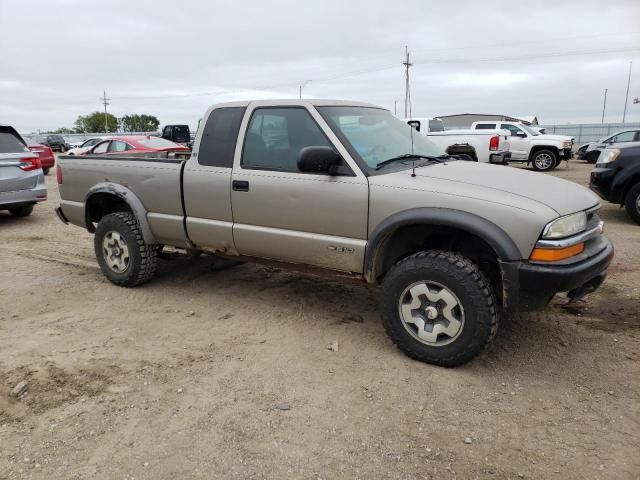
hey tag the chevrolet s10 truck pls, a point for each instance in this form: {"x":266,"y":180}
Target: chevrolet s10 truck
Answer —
{"x":346,"y":188}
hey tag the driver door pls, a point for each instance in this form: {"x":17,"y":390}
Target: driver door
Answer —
{"x":519,"y":144}
{"x":283,"y":214}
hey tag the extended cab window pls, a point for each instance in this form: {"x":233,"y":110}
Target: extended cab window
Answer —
{"x":218,"y":142}
{"x":485,"y":126}
{"x":276,"y":136}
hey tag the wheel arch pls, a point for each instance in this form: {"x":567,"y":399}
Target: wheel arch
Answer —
{"x":107,"y":197}
{"x":462,"y":148}
{"x":536,"y":148}
{"x":409,"y":231}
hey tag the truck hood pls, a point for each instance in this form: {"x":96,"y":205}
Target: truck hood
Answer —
{"x":554,"y":138}
{"x":483,"y":180}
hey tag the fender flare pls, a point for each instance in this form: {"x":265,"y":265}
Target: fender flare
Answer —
{"x":130,"y":199}
{"x":496,"y":237}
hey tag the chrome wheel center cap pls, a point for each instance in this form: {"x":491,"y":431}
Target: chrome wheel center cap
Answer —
{"x":431,"y":313}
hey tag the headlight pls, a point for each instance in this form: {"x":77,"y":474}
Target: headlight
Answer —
{"x":566,"y":226}
{"x":608,"y":156}
{"x":566,"y":144}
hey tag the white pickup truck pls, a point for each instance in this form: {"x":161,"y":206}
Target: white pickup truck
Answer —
{"x":544,"y":152}
{"x":484,"y":146}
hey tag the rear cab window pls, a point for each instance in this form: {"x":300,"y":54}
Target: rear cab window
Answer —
{"x":157,"y":142}
{"x":219,"y":138}
{"x":485,"y":126}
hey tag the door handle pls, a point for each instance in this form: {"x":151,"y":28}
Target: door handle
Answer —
{"x":240,"y":185}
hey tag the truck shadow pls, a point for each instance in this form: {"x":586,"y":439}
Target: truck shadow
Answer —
{"x":550,"y":342}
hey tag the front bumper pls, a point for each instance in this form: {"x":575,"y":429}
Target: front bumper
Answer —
{"x":529,"y":286}
{"x":565,"y":153}
{"x":602,"y":183}
{"x":501,"y":158}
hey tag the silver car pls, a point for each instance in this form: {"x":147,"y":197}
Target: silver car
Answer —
{"x":21,"y":176}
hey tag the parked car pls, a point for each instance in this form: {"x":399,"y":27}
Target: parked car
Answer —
{"x":347,"y":188}
{"x":21,"y":176}
{"x":543,"y":152}
{"x":616,"y":177}
{"x":85,"y":146}
{"x":592,"y":150}
{"x":55,"y":142}
{"x":177,"y":133}
{"x":135,"y":144}
{"x":485,"y":146}
{"x":45,"y":154}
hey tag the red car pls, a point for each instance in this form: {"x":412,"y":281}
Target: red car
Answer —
{"x":45,"y":154}
{"x":135,"y":144}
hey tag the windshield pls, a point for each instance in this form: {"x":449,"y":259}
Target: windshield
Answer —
{"x":375,"y":135}
{"x":530,"y":130}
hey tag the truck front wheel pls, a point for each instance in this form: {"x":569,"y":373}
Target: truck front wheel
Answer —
{"x":124,"y":257}
{"x":544,"y":160}
{"x":439,"y":308}
{"x":632,"y":203}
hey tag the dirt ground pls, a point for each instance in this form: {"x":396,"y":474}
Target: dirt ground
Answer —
{"x":226,"y":374}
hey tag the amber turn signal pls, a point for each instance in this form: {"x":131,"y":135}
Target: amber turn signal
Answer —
{"x":555,"y":254}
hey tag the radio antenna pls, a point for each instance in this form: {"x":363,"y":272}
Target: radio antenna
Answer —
{"x":407,"y":104}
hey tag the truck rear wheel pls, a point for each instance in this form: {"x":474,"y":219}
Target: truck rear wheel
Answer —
{"x":439,"y":308}
{"x":124,"y":257}
{"x":544,"y":160}
{"x":632,"y":203}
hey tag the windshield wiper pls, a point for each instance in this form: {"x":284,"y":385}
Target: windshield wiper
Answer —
{"x":407,"y":156}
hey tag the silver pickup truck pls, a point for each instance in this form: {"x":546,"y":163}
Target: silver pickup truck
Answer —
{"x":347,"y":188}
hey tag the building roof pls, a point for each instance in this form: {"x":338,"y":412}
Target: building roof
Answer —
{"x":527,"y":119}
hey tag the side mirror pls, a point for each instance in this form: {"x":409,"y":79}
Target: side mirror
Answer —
{"x":521,"y":134}
{"x":318,"y":160}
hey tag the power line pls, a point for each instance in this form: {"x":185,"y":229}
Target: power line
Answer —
{"x":407,"y":89}
{"x":626,"y":97}
{"x":105,"y":102}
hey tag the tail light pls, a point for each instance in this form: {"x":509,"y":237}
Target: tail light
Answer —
{"x":58,"y":174}
{"x":494,"y":142}
{"x":28,"y":164}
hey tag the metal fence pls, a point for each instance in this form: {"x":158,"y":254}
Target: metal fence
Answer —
{"x":81,"y":137}
{"x":588,"y":132}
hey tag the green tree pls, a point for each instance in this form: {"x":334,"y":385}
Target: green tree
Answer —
{"x":94,"y":122}
{"x":139,"y":123}
{"x":64,"y":130}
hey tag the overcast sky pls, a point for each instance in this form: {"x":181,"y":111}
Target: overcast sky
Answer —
{"x":174,"y":58}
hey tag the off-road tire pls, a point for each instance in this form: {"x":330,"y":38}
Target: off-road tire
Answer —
{"x":23,"y":211}
{"x":143,"y":261}
{"x":632,"y":203}
{"x":540,"y":153}
{"x":466,"y":281}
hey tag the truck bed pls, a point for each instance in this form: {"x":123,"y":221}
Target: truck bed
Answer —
{"x":153,"y":178}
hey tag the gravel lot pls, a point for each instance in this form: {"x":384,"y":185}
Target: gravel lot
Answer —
{"x":227,"y":374}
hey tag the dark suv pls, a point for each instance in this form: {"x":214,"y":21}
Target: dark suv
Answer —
{"x":55,"y":142}
{"x":616,"y":177}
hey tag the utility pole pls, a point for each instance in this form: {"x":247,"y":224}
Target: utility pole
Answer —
{"x":604,"y":105}
{"x":301,"y":87}
{"x":626,"y":97}
{"x":105,"y":102}
{"x":407,"y":89}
